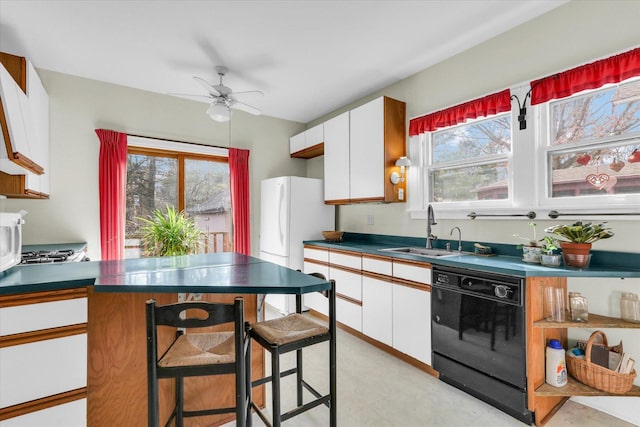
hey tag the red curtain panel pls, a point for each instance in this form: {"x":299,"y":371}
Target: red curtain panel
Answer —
{"x":590,"y":76}
{"x":485,"y":106}
{"x":239,"y":173}
{"x":112,"y":186}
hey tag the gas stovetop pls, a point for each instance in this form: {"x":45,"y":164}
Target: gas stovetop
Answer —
{"x":48,"y":257}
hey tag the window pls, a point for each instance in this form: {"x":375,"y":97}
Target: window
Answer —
{"x":190,"y":178}
{"x":591,"y":147}
{"x":470,"y":162}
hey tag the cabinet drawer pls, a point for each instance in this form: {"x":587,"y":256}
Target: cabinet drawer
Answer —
{"x":34,"y":317}
{"x":72,"y":414}
{"x":415,"y":272}
{"x":312,"y":267}
{"x":377,"y":265}
{"x":43,"y":368}
{"x":349,"y":314}
{"x":317,"y":254}
{"x":345,"y":260}
{"x":347,"y":283}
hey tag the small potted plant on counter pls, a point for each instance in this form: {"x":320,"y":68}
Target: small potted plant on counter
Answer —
{"x":576,"y":239}
{"x":549,"y":258}
{"x":531,"y":251}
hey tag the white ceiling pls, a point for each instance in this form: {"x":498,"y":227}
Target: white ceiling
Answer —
{"x":308,"y":57}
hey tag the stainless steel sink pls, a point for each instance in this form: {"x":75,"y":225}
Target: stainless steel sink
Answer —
{"x":418,"y":251}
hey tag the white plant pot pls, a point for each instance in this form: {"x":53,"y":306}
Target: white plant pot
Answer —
{"x":531,"y":254}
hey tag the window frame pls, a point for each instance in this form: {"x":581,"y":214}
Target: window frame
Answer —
{"x":621,"y":203}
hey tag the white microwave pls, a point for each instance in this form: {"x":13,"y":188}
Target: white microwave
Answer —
{"x":10,"y":239}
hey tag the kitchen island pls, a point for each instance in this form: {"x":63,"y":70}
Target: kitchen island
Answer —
{"x":114,"y":340}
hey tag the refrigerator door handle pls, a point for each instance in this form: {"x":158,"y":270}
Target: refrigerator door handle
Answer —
{"x":281,"y":213}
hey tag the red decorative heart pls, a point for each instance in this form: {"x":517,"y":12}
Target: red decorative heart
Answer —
{"x":597,"y":181}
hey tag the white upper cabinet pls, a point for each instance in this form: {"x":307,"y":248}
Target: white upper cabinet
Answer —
{"x":361,"y":149}
{"x":336,"y":159}
{"x":308,"y":144}
{"x":24,"y":144}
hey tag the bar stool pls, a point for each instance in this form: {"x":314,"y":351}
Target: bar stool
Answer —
{"x":289,"y":333}
{"x":197,"y":354}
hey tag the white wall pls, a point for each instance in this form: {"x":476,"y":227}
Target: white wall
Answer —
{"x":78,"y":106}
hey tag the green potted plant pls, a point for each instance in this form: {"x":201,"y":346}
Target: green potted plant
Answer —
{"x":576,"y":239}
{"x":549,"y":258}
{"x":169,"y":233}
{"x":531,"y":251}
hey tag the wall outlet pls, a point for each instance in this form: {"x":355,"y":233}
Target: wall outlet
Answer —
{"x":401,"y":194}
{"x":370,"y":220}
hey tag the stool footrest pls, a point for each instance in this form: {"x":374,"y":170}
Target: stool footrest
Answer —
{"x":313,"y":391}
{"x":216,"y":411}
{"x":300,"y":409}
{"x":265,"y":380}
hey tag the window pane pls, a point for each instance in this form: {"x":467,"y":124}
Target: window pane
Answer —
{"x":151,"y":184}
{"x":599,"y":114}
{"x":208,"y":201}
{"x":480,"y":138}
{"x":601,"y":171}
{"x":482,"y":182}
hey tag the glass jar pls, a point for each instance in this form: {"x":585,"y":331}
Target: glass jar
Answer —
{"x":578,"y":307}
{"x":630,"y":307}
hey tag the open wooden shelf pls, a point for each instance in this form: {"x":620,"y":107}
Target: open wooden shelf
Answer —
{"x":576,"y":388}
{"x":595,"y":321}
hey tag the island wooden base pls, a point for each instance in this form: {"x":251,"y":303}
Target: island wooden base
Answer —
{"x":116,"y":365}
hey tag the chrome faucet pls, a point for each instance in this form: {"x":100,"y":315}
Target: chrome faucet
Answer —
{"x":459,"y":237}
{"x":431,"y":220}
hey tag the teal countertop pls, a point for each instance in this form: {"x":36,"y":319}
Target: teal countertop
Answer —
{"x":508,"y":259}
{"x":211,"y":273}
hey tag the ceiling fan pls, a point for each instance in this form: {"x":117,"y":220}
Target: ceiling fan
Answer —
{"x":223,"y":99}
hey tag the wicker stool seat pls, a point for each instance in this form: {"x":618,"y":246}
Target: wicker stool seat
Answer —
{"x":288,"y":329}
{"x":200,"y":349}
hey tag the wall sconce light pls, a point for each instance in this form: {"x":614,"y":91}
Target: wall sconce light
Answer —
{"x":396,"y":177}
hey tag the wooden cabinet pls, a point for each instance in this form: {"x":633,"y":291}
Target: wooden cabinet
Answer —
{"x":544,"y":399}
{"x":377,"y":138}
{"x":361,"y":148}
{"x":24,"y":119}
{"x":308,"y":144}
{"x":43,"y":358}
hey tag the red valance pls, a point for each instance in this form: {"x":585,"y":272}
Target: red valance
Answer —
{"x":590,"y":76}
{"x":485,"y":106}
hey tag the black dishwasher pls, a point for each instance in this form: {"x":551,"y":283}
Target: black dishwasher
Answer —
{"x":478,"y":336}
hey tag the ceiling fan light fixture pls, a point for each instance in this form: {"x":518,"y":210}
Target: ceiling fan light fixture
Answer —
{"x":219,"y":112}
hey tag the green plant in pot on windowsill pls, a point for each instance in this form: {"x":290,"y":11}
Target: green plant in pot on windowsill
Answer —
{"x":576,"y":239}
{"x":549,"y":257}
{"x":531,"y":251}
{"x":169,"y":233}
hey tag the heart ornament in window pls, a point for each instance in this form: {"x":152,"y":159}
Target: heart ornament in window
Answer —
{"x":598,"y":181}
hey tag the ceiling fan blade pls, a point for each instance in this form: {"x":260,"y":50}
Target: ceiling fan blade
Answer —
{"x":212,"y":91}
{"x":190,"y":95}
{"x":237,"y":105}
{"x":248,"y":91}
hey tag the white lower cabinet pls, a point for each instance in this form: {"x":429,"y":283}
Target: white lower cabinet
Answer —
{"x":377,"y":316}
{"x":72,"y":414}
{"x":348,"y":297}
{"x":412,"y":322}
{"x":315,"y":300}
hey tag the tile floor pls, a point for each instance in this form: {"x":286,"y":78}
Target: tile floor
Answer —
{"x":377,"y":389}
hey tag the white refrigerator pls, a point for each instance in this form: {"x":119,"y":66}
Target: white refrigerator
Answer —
{"x":292,"y":209}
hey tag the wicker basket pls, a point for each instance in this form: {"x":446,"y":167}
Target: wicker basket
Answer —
{"x":597,"y":376}
{"x":332,"y":236}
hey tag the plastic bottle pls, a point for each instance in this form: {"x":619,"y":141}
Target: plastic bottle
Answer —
{"x":556,"y":368}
